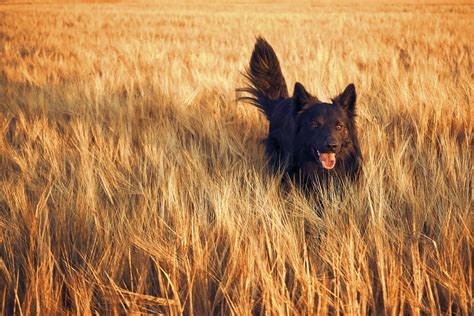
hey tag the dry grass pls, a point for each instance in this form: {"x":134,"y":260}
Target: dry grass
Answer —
{"x":131,"y":181}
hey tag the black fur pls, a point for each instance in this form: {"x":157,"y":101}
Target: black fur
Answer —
{"x":303,"y":131}
{"x":267,"y":85}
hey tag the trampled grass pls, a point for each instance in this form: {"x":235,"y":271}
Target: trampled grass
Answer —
{"x":131,"y":180}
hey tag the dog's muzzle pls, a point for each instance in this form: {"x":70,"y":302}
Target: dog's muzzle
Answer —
{"x":327,"y":160}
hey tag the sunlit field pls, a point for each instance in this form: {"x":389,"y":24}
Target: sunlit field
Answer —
{"x":131,"y":181}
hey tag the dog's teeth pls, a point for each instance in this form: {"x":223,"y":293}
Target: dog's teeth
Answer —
{"x":318,"y":152}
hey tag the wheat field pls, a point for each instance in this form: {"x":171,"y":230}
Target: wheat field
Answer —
{"x":131,"y":181}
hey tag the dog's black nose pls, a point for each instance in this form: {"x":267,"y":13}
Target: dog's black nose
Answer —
{"x":331,"y":145}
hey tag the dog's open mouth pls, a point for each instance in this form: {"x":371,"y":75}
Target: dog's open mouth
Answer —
{"x":327,"y":160}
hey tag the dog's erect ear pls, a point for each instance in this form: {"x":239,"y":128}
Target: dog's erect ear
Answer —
{"x":300,"y":96}
{"x":347,"y":99}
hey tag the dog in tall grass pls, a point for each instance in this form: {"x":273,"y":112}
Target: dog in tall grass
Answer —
{"x":308,"y":139}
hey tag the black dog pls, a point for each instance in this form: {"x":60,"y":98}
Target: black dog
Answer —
{"x":308,"y":139}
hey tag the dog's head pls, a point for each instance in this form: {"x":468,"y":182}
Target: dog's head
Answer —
{"x":324,"y":131}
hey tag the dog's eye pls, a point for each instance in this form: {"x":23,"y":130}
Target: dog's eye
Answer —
{"x":339,"y":127}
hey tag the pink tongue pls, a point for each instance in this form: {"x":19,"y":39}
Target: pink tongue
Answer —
{"x":328,"y":160}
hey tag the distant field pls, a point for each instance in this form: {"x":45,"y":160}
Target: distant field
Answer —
{"x":131,"y":181}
